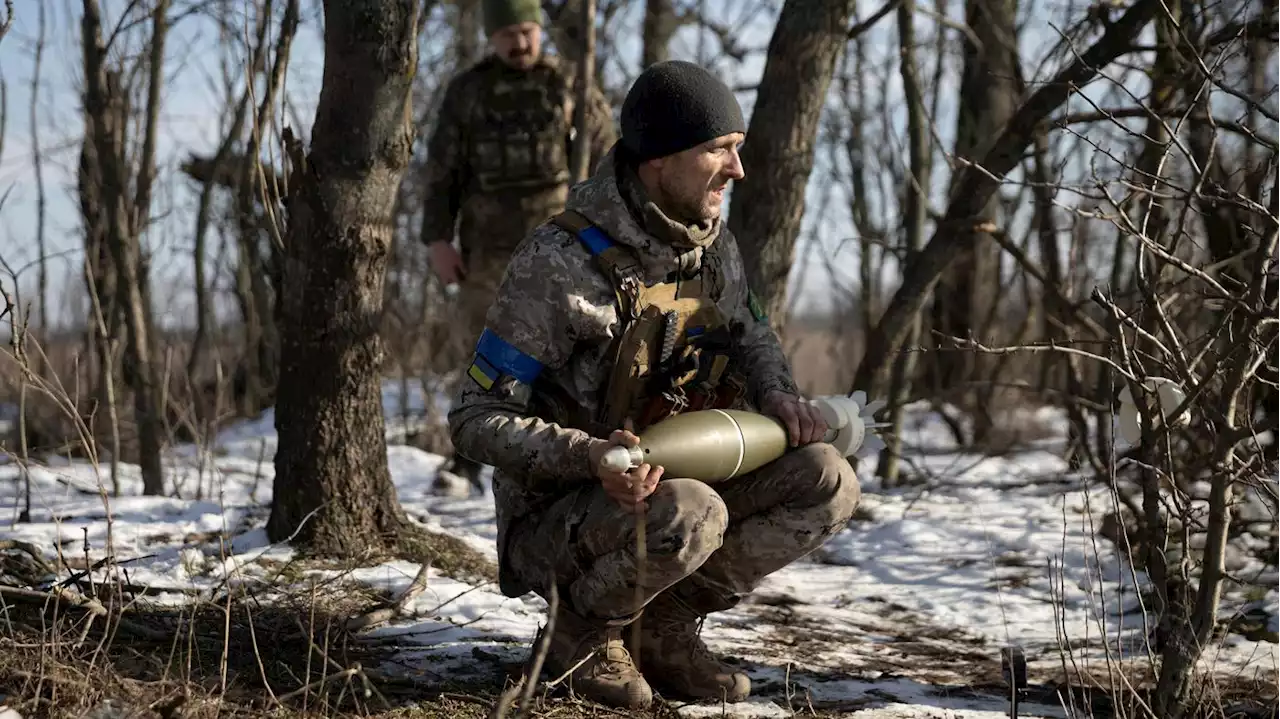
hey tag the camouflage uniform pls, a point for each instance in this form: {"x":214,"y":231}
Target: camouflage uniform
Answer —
{"x":497,"y":166}
{"x":706,"y":547}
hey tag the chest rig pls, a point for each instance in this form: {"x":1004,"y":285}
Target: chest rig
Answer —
{"x":675,"y":348}
{"x":519,"y":130}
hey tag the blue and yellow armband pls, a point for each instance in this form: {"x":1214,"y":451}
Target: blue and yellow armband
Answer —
{"x":496,"y":358}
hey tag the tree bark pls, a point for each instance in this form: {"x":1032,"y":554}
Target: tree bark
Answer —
{"x":333,"y":492}
{"x":977,"y":184}
{"x":768,"y":203}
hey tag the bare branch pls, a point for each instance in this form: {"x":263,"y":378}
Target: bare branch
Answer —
{"x":975,"y":187}
{"x":865,"y":25}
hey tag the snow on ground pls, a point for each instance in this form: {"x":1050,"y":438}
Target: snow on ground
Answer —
{"x":901,"y":615}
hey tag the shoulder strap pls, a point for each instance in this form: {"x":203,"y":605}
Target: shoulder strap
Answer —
{"x":623,"y":270}
{"x":618,"y":263}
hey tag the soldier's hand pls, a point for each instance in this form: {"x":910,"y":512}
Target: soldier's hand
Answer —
{"x":629,"y":489}
{"x":804,"y":422}
{"x":446,"y":262}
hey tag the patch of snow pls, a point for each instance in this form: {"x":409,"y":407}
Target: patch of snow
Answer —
{"x":894,"y":617}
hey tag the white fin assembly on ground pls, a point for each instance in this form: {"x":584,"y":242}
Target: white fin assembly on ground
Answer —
{"x":851,"y":421}
{"x":1129,"y":422}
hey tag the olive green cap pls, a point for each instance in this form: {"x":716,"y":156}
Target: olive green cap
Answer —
{"x":501,"y":13}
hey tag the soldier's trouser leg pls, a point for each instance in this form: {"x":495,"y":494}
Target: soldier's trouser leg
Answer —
{"x":473,"y":304}
{"x":586,"y":544}
{"x":777,"y":514}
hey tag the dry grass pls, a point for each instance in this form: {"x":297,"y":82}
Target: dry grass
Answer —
{"x":287,"y":657}
{"x":290,"y":655}
{"x":285,"y":653}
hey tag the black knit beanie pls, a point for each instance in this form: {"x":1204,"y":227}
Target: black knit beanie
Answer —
{"x":676,"y":105}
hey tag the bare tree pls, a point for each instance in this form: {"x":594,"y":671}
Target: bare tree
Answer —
{"x":768,"y":203}
{"x":333,"y":492}
{"x":967,"y":294}
{"x":917,"y":207}
{"x":218,"y":167}
{"x":120,"y":219}
{"x":37,"y":162}
{"x":976,"y":185}
{"x":255,"y":192}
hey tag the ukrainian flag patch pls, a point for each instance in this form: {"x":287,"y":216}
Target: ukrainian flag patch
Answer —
{"x":483,"y":373}
{"x":496,"y":358}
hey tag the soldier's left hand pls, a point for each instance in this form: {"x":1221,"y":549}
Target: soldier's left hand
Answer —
{"x":804,"y":422}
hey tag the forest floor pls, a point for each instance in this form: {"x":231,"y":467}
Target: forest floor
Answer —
{"x":902,"y":615}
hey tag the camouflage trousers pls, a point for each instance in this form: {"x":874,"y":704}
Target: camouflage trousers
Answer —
{"x":710,"y":545}
{"x":464,"y":322}
{"x":466,"y":316}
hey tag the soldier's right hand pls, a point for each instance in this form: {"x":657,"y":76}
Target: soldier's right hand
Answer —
{"x":629,"y":489}
{"x":446,"y":262}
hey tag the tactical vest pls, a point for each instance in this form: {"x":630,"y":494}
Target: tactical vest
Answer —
{"x":519,"y":133}
{"x":674,"y":352}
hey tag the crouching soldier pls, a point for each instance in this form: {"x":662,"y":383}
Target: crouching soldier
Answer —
{"x":627,"y":308}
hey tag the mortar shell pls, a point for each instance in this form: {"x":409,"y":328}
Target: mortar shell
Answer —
{"x":713,"y":445}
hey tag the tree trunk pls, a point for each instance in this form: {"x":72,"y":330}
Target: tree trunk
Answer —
{"x":768,"y":203}
{"x":37,"y":161}
{"x":916,"y":206}
{"x":333,"y":492}
{"x":660,"y":23}
{"x":99,"y":276}
{"x":580,"y":155}
{"x":106,"y":116}
{"x":467,"y":40}
{"x":969,"y":291}
{"x":253,"y":385}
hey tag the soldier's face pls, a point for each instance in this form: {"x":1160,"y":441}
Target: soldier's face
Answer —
{"x":692,"y":182}
{"x":518,"y":45}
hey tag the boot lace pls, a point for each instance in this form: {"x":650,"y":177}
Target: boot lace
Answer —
{"x":611,"y":654}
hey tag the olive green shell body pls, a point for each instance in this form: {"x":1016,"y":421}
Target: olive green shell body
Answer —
{"x":713,"y":445}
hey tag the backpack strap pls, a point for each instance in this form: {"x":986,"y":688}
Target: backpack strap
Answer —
{"x":619,"y":264}
{"x":623,"y":269}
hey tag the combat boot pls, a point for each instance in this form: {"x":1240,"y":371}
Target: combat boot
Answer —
{"x":676,"y":660}
{"x":608,"y":675}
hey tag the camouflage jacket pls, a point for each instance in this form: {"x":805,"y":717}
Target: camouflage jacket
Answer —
{"x":498,"y":157}
{"x":554,"y":318}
